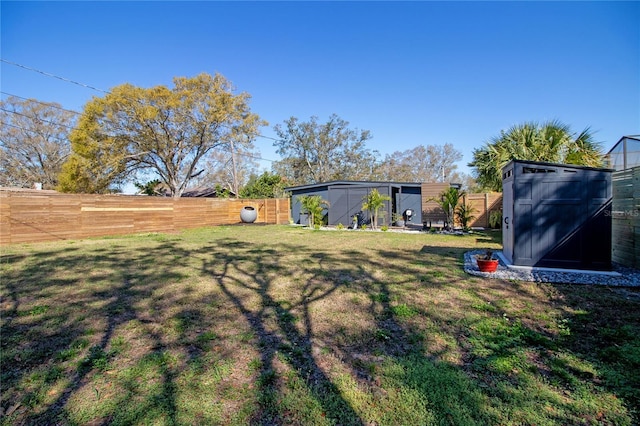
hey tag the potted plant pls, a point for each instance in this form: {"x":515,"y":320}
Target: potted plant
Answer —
{"x":486,"y":262}
{"x":398,"y":219}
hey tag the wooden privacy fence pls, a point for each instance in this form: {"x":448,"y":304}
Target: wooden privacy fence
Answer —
{"x":431,"y":211}
{"x":482,"y":205}
{"x":34,"y":216}
{"x":625,"y":217}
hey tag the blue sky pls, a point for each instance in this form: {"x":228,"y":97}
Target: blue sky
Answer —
{"x":410,"y":72}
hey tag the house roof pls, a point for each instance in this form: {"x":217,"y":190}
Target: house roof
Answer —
{"x":352,"y":183}
{"x":200,"y":191}
{"x":203,"y":192}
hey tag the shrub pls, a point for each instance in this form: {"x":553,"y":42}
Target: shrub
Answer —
{"x":464,"y":214}
{"x":495,"y":219}
{"x":314,"y":205}
{"x":373,"y":202}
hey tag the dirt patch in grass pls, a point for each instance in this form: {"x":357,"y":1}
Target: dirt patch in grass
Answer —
{"x":282,"y":325}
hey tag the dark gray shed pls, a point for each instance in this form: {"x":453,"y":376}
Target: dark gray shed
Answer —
{"x":346,"y":197}
{"x":556,"y":215}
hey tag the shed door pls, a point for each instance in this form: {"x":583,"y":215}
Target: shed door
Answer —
{"x":560,"y":211}
{"x":339,"y":206}
{"x":411,"y":200}
{"x":345,"y":203}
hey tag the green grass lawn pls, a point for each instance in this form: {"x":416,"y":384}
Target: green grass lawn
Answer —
{"x":282,"y":325}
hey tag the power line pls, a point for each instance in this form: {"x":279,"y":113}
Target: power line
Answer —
{"x":100,"y":90}
{"x":53,"y":76}
{"x":49,"y":104}
{"x":36,"y":118}
{"x":240,"y":153}
{"x":32,"y":131}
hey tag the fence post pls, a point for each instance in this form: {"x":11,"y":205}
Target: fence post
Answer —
{"x":486,"y":209}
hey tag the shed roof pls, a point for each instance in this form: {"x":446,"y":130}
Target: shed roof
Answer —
{"x":351,"y":182}
{"x":544,"y":163}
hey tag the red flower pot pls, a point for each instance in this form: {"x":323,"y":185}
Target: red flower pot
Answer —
{"x":487,"y":265}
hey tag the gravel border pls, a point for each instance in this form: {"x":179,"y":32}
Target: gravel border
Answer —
{"x":621,"y":277}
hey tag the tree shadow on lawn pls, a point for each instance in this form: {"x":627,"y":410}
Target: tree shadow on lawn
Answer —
{"x":601,"y":331}
{"x":441,"y":390}
{"x":393,"y":337}
{"x":287,"y":328}
{"x":565,"y":354}
{"x":65,"y":337}
{"x":237,"y":269}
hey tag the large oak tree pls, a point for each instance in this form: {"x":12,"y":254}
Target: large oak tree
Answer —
{"x":168,"y":131}
{"x":33,"y":142}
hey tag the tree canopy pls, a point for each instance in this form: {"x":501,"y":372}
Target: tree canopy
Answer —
{"x":551,"y":141}
{"x":231,"y":166}
{"x":168,"y":131}
{"x":267,"y":185}
{"x":430,"y":163}
{"x":33,"y":142}
{"x":313,"y":152}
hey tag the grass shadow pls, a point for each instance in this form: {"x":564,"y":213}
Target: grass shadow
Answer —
{"x":273,"y":322}
{"x":290,"y":326}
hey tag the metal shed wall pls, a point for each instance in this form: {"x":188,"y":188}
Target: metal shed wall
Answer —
{"x":346,"y":197}
{"x":557,"y":215}
{"x":346,"y":201}
{"x":410,"y":197}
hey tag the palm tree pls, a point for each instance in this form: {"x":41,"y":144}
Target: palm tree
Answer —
{"x":373,"y":202}
{"x":448,"y":201}
{"x":552,"y":142}
{"x":313,"y":205}
{"x":464,"y":214}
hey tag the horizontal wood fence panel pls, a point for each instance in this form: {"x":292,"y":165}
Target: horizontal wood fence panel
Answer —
{"x":625,"y":217}
{"x":34,"y":216}
{"x":432,"y":213}
{"x":483,"y":204}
